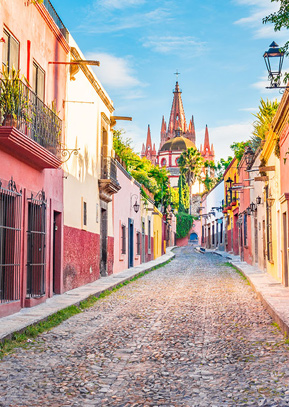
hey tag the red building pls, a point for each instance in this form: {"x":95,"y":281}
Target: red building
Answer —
{"x":245,"y":220}
{"x":31,"y":202}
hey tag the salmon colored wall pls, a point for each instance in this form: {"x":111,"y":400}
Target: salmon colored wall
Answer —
{"x":47,"y":45}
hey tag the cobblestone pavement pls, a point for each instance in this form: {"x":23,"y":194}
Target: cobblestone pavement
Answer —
{"x":189,"y":334}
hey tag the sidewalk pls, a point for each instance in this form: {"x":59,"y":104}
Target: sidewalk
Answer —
{"x":274,"y":296}
{"x":29,"y":316}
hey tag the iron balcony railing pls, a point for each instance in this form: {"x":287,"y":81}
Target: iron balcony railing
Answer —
{"x":109,"y":169}
{"x":56,"y":19}
{"x":21,"y":108}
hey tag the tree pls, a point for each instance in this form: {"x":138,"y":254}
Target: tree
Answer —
{"x":155,"y":179}
{"x":191,"y":163}
{"x":264,"y":117}
{"x":239,"y":148}
{"x":280,"y":20}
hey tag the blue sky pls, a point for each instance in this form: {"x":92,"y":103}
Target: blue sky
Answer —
{"x":217,"y":46}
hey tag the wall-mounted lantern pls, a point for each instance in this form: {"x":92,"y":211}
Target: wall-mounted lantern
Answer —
{"x":274,"y":58}
{"x":136,"y":205}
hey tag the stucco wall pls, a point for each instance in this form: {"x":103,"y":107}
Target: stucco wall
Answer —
{"x":123,"y":203}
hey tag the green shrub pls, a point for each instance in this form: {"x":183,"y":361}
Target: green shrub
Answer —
{"x":184,"y":224}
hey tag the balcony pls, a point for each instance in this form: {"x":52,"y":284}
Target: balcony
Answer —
{"x":108,"y":183}
{"x":29,"y":130}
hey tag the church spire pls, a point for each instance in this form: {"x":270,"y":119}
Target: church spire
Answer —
{"x":149,"y":151}
{"x":177,"y":117}
{"x":149,"y":139}
{"x":207,"y":142}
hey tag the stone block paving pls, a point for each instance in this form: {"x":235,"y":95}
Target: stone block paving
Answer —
{"x":192,"y":333}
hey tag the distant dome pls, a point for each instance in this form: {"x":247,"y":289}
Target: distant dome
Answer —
{"x":178,"y":144}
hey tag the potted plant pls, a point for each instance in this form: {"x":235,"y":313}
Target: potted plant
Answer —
{"x":13,"y":101}
{"x":234,"y":202}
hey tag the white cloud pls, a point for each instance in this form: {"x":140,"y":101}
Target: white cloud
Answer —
{"x":170,"y":44}
{"x":119,"y":4}
{"x":259,"y":10}
{"x":116,"y":23}
{"x":114,"y":71}
{"x":223,"y":136}
{"x":248,"y":109}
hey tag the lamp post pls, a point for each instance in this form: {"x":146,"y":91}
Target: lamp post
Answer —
{"x":274,"y":58}
{"x":249,"y":156}
{"x":136,"y":205}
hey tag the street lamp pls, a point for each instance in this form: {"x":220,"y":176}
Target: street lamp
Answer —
{"x":274,"y":58}
{"x":248,"y":210}
{"x":249,"y":156}
{"x":258,"y":200}
{"x":253,"y":206}
{"x":135,"y":205}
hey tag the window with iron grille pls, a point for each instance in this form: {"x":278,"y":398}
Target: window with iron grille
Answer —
{"x":269,"y":228}
{"x":36,"y":245}
{"x":138,"y":243}
{"x":213,"y":234}
{"x":10,"y":51}
{"x":123,"y":239}
{"x":10,"y":241}
{"x":245,"y":230}
{"x":203,"y":236}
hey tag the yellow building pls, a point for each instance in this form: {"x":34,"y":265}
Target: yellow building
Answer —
{"x":158,"y":223}
{"x":271,"y":193}
{"x":231,"y":207}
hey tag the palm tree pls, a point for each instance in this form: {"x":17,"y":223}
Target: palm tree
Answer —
{"x":191,"y":163}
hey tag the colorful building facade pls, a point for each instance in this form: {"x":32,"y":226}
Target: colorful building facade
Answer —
{"x":31,"y":194}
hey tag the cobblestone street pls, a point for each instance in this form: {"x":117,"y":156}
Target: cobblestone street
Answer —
{"x":189,"y":334}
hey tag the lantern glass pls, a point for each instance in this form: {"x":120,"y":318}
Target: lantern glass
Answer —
{"x":249,"y":211}
{"x":258,"y":200}
{"x":136,"y":207}
{"x":249,"y":155}
{"x":274,"y":58}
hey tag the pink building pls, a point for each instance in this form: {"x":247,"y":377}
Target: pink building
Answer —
{"x":128,"y":233}
{"x":245,"y":215}
{"x":31,"y":195}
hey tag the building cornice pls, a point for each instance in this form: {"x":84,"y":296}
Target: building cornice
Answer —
{"x":52,"y":26}
{"x":92,"y":79}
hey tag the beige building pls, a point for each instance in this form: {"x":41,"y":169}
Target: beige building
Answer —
{"x":90,"y":176}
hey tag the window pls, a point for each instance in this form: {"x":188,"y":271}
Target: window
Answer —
{"x":138,"y":243}
{"x":123,"y":239}
{"x":38,"y":80}
{"x":10,"y":51}
{"x":84,"y":214}
{"x":221,"y":233}
{"x":149,"y":236}
{"x":213,"y":234}
{"x":203,"y":234}
{"x":177,"y":161}
{"x":163,"y":162}
{"x":10,"y":242}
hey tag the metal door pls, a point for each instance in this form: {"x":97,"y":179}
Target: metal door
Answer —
{"x":36,"y":246}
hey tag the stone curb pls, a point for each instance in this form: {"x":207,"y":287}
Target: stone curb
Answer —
{"x":18,"y":322}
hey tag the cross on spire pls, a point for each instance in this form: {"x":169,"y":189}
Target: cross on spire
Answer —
{"x":177,"y":74}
